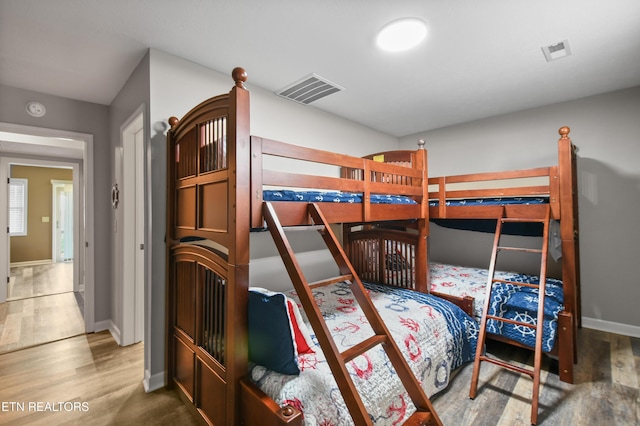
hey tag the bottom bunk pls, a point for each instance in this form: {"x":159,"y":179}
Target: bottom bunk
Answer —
{"x":280,"y":376}
{"x":387,"y":256}
{"x":435,"y":337}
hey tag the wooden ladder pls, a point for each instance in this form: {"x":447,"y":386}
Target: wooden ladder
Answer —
{"x":538,"y":326}
{"x":337,"y":361}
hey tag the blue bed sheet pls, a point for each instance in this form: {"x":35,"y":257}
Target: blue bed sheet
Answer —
{"x":495,"y":201}
{"x":332,"y":197}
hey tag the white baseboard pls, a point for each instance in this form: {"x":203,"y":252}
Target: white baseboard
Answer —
{"x":31,"y":263}
{"x":101,"y":326}
{"x":611,"y":327}
{"x":108,"y":325}
{"x":153,"y":383}
{"x":115,"y":332}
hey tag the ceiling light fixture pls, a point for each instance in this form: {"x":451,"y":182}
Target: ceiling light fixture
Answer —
{"x":401,"y":34}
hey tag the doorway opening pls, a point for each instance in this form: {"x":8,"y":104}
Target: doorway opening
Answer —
{"x":70,"y":246}
{"x":42,"y":217}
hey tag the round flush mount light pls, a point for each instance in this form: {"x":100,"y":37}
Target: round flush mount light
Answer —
{"x":36,"y":109}
{"x":401,"y":34}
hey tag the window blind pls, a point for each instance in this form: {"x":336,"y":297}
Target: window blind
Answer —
{"x":17,"y":207}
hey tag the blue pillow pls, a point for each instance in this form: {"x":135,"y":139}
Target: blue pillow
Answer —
{"x":270,"y":336}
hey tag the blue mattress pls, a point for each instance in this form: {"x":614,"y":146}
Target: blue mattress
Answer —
{"x":497,"y":201}
{"x":332,"y":197}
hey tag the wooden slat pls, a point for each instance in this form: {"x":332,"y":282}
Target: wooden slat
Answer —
{"x":510,"y":321}
{"x":323,"y":283}
{"x":363,"y":347}
{"x":508,"y":366}
{"x":497,"y":280}
{"x":494,"y":176}
{"x":520,"y":249}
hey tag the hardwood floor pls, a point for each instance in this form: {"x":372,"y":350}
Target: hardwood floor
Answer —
{"x":83,"y":380}
{"x":606,"y":389}
{"x":105,"y":382}
{"x":89,"y":379}
{"x":42,"y":307}
{"x":40,"y":280}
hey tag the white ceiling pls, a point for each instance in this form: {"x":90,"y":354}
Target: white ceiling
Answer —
{"x":481,"y":58}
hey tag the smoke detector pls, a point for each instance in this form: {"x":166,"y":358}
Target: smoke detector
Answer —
{"x":36,"y":109}
{"x":309,"y":89}
{"x":558,"y":50}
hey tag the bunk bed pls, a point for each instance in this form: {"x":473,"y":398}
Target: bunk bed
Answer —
{"x":472,"y":200}
{"x":220,"y":188}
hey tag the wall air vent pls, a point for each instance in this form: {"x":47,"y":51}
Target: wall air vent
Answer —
{"x":556,"y":51}
{"x":309,"y":89}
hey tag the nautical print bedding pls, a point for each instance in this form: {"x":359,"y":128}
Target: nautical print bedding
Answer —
{"x":496,"y":201}
{"x":507,"y":300}
{"x":332,"y":197}
{"x":435,"y":337}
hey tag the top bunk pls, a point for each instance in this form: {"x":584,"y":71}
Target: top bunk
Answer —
{"x":520,"y":193}
{"x":218,"y":173}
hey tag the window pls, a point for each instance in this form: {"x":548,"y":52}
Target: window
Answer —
{"x":17,"y":207}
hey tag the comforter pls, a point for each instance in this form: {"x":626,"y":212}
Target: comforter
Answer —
{"x":507,"y":300}
{"x":434,"y":336}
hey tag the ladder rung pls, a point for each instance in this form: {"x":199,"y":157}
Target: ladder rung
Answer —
{"x":523,"y":219}
{"x":522,"y":249}
{"x":496,"y":280}
{"x":322,"y":283}
{"x":363,"y":346}
{"x":508,"y":366}
{"x":304,"y":228}
{"x":420,"y":418}
{"x":510,"y":321}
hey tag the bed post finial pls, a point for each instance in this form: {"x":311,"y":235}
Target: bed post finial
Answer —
{"x":239,"y":76}
{"x":173,"y":121}
{"x":564,"y":132}
{"x":421,"y":143}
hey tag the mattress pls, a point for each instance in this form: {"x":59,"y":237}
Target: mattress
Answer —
{"x":507,"y":300}
{"x":495,"y":201}
{"x":332,"y":197}
{"x":435,"y":337}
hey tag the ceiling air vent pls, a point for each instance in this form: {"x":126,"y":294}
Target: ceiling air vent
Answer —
{"x":556,"y":51}
{"x":309,"y":89}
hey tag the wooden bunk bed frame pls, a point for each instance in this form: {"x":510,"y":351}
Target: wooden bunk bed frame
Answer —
{"x":558,"y":183}
{"x":215,"y":180}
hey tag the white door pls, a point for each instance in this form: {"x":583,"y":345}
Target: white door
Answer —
{"x":62,"y":221}
{"x":133,"y":230}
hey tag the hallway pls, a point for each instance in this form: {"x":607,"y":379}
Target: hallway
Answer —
{"x":41,"y":307}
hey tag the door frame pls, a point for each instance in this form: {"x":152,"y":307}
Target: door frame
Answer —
{"x":84,"y":177}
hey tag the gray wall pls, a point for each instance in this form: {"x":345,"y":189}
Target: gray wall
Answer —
{"x":133,"y":96}
{"x":606,"y":129}
{"x":82,"y":117}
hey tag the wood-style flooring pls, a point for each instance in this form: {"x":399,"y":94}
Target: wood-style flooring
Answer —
{"x":606,"y":389}
{"x":83,"y":380}
{"x":95,"y":373}
{"x":43,"y":307}
{"x":99,"y":383}
{"x":40,"y":280}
